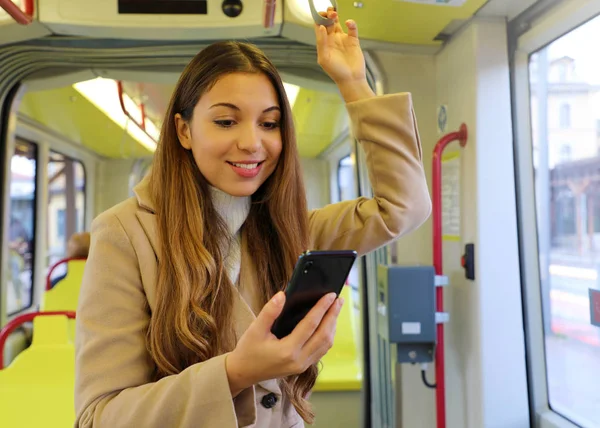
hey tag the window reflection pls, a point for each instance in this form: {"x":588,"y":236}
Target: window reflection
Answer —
{"x":565,"y":111}
{"x":21,"y":227}
{"x":348,"y":190}
{"x":347,"y":186}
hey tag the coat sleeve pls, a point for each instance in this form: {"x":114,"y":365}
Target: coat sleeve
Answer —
{"x":387,"y":130}
{"x":113,"y":386}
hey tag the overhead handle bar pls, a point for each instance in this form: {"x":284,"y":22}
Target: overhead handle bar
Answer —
{"x":142,"y":107}
{"x":22,"y":17}
{"x":319,"y":20}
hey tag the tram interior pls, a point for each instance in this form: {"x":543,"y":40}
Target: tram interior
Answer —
{"x":521,"y":346}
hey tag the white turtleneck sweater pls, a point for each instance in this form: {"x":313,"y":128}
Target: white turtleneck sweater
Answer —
{"x":234,"y":211}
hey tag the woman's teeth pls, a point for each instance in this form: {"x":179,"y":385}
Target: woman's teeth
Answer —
{"x":245,"y":165}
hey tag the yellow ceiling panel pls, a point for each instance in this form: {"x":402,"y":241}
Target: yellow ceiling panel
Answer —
{"x":69,"y":113}
{"x":318,"y":117}
{"x":401,"y":21}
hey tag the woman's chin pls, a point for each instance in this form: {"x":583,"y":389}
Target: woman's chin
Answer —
{"x":240,"y":189}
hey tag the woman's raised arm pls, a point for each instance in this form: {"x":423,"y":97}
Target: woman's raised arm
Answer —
{"x":387,"y":130}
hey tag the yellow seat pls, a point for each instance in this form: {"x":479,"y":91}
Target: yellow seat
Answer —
{"x":341,"y":366}
{"x":37,"y":388}
{"x":65,"y":294}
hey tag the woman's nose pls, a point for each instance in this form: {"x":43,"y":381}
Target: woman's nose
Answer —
{"x":250,"y":140}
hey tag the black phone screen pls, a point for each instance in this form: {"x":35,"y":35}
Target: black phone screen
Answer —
{"x":315,"y":275}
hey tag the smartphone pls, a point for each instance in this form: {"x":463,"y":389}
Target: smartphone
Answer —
{"x":316,"y":274}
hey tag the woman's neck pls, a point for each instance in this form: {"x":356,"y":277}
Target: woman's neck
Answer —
{"x":233,"y":209}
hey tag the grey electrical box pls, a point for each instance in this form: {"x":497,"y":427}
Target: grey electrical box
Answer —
{"x":406,"y":311}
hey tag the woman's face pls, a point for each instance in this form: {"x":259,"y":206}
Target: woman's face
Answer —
{"x":235,"y":133}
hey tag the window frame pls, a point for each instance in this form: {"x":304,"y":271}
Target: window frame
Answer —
{"x":47,"y":140}
{"x":342,"y":146}
{"x":85,"y":192}
{"x":543,"y":30}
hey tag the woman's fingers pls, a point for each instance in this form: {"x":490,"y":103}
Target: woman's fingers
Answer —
{"x":310,"y":323}
{"x":321,"y":33}
{"x":270,"y":312}
{"x":352,"y":28}
{"x":322,"y":340}
{"x":333,"y":15}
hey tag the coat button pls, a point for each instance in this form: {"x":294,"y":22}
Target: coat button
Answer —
{"x":269,"y":400}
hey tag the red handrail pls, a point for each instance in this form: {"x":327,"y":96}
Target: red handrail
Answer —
{"x":16,"y":322}
{"x":22,"y":17}
{"x":142,"y":125}
{"x":436,"y":172}
{"x":55,"y":265}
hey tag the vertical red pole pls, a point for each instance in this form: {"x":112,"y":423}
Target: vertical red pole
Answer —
{"x":438,"y":263}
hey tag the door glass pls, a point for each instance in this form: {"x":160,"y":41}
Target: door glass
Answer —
{"x":66,"y":207}
{"x":565,"y":112}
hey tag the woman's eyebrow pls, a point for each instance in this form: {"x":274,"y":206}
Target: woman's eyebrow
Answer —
{"x":234,"y":107}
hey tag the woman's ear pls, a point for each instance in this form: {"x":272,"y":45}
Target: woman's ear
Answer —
{"x":183,"y":132}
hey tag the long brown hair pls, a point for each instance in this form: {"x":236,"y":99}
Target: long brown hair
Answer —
{"x":192,"y":320}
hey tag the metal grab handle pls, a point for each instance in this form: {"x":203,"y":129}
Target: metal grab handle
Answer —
{"x":319,"y":20}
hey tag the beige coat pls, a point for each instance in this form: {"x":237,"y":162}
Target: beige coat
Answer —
{"x":113,"y":367}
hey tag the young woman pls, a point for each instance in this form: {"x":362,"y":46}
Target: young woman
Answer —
{"x":183,"y":281}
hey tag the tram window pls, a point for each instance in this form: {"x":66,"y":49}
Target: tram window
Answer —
{"x":346,"y":179}
{"x":66,"y":206}
{"x":21,"y":234}
{"x":347,"y":190}
{"x":565,"y":112}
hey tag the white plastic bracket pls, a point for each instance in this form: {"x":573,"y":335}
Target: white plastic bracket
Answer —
{"x":442,"y":317}
{"x":441,"y":280}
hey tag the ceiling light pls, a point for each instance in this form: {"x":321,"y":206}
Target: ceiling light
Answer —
{"x":291,"y":92}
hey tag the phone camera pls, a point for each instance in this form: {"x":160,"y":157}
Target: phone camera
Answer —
{"x":307,"y":266}
{"x":232,"y":8}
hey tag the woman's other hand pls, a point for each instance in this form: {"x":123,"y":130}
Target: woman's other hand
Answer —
{"x":260,"y":356}
{"x":338,"y":53}
{"x":340,"y":56}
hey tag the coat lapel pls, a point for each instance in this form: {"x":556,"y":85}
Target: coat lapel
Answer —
{"x":148,"y":223}
{"x":146,"y":213}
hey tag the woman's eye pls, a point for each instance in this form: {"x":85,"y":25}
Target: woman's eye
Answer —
{"x":224,"y":123}
{"x":271,"y":125}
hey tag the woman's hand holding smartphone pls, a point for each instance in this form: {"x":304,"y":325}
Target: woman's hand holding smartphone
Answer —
{"x":260,"y":355}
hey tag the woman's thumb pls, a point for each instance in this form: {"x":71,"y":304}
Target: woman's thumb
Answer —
{"x":271,"y":311}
